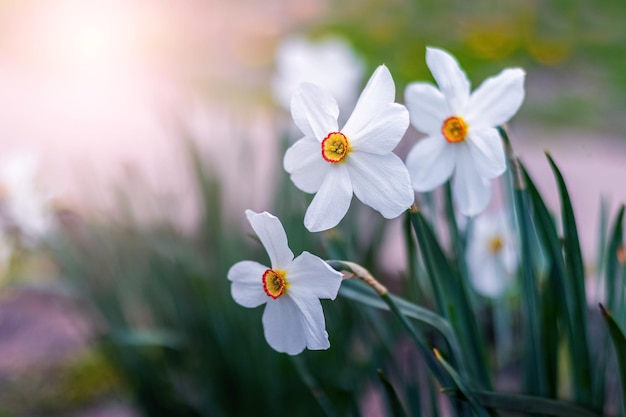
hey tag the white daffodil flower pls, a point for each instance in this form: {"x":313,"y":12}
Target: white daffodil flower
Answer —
{"x":330,"y":63}
{"x":356,"y":159}
{"x":291,"y":288}
{"x":491,"y":254}
{"x":462,"y":138}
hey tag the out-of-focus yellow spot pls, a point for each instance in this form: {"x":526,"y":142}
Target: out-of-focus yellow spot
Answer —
{"x":549,"y":51}
{"x":492,"y":40}
{"x":495,"y":244}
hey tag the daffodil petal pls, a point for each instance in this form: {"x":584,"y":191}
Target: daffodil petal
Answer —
{"x":314,"y":111}
{"x":309,"y":274}
{"x":382,"y":182}
{"x":283,"y":326}
{"x":380,"y":134}
{"x":487,"y":277}
{"x":379,"y":92}
{"x":303,"y":160}
{"x":247,"y":283}
{"x":427,"y":107}
{"x":331,"y":202}
{"x":487,"y":151}
{"x":430,"y":163}
{"x":451,"y":79}
{"x":273,"y":237}
{"x":497,"y":99}
{"x":313,"y":322}
{"x":471,"y":191}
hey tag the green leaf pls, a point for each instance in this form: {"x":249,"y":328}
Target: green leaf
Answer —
{"x":619,"y":343}
{"x":467,"y":394}
{"x":316,"y":391}
{"x":453,"y":300}
{"x":576,"y":286}
{"x":528,"y":404}
{"x":612,"y":263}
{"x":350,"y":289}
{"x":360,"y":292}
{"x":147,"y":338}
{"x":535,"y":378}
{"x":570,"y":310}
{"x":397,"y":410}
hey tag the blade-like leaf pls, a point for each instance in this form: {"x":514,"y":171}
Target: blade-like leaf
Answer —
{"x":393,"y":401}
{"x":619,"y":343}
{"x":612,"y":263}
{"x":575,"y":285}
{"x":454,"y":299}
{"x":360,"y":292}
{"x":570,"y":312}
{"x":528,"y":404}
{"x":535,"y":377}
{"x":467,"y":394}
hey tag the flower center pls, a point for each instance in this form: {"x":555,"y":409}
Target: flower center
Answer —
{"x":335,"y":147}
{"x":495,"y":244}
{"x":454,"y":129}
{"x":274,"y":283}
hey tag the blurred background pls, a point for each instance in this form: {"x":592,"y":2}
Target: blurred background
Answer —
{"x":143,"y":129}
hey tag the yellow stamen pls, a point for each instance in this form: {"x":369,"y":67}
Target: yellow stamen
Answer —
{"x":495,"y":244}
{"x":274,"y":283}
{"x":335,"y":147}
{"x":454,"y":129}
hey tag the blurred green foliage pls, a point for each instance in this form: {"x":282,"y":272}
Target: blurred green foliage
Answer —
{"x":166,"y":320}
{"x":573,"y":51}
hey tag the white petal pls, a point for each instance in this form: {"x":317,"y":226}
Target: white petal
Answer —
{"x":313,"y":322}
{"x":427,"y":107}
{"x":272,"y":234}
{"x":303,"y":160}
{"x":381,"y":133}
{"x":431,"y":162}
{"x":471,"y":191}
{"x":451,"y":79}
{"x":310,"y":275}
{"x":487,"y":276}
{"x":382,"y":182}
{"x":314,"y":111}
{"x":379,"y":92}
{"x":247,"y":283}
{"x":331,"y":202}
{"x":488,"y":152}
{"x":283,"y":327}
{"x":496,"y":100}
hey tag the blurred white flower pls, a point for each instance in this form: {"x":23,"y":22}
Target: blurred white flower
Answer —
{"x":462,"y":138}
{"x":25,"y":208}
{"x":330,"y":63}
{"x":491,"y":254}
{"x":291,"y":288}
{"x":356,"y":159}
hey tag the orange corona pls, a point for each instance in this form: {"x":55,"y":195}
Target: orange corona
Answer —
{"x":454,"y":129}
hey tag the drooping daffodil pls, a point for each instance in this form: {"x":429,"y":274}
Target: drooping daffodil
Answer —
{"x":358,"y":159}
{"x":290,"y":288}
{"x":491,"y":254}
{"x":462,"y":140}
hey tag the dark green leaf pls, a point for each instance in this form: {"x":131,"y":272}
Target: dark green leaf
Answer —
{"x":393,"y":401}
{"x":453,"y":300}
{"x":576,"y":286}
{"x":619,"y":343}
